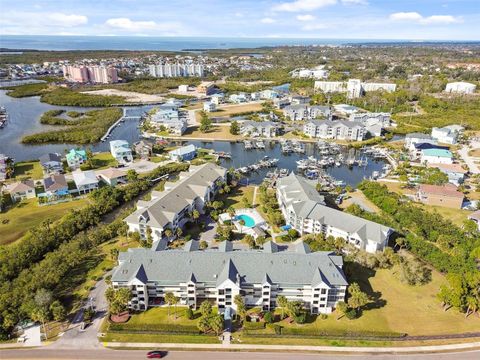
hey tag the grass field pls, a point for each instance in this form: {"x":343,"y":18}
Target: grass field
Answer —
{"x":164,"y":339}
{"x":232,"y":110}
{"x":457,"y":216}
{"x":103,"y":160}
{"x":217,"y":132}
{"x":28,"y":170}
{"x":397,"y":307}
{"x":234,"y":199}
{"x":27,"y":214}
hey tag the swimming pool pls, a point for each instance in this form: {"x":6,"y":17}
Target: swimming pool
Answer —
{"x":249,"y":222}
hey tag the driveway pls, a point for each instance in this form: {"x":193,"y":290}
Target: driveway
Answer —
{"x":74,"y":338}
{"x":469,"y":160}
{"x":32,"y":336}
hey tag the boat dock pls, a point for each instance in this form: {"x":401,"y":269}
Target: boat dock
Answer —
{"x":118,"y":122}
{"x":266,"y":162}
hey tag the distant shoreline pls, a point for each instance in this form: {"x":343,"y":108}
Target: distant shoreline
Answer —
{"x":9,"y":43}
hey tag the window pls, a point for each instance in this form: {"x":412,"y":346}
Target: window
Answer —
{"x":324,"y":291}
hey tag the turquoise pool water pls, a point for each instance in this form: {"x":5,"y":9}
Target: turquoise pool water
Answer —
{"x":249,"y":222}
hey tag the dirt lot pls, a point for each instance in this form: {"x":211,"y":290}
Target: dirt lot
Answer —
{"x":130,"y":96}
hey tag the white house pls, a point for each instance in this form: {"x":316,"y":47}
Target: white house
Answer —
{"x":436,"y":156}
{"x":417,"y":138}
{"x":266,"y":129}
{"x":346,"y":109}
{"x":21,"y":190}
{"x":304,"y":210}
{"x":209,"y":106}
{"x":447,"y":134}
{"x":85,"y":181}
{"x":460,"y":87}
{"x":120,"y":150}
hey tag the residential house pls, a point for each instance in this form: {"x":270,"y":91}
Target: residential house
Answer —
{"x":417,"y":149}
{"x":346,"y":110}
{"x":304,"y":210}
{"x":281,"y":103}
{"x":436,"y":156}
{"x":120,"y":150}
{"x":170,"y":208}
{"x":143,"y":149}
{"x":447,"y":134}
{"x":440,"y":195}
{"x":75,"y":158}
{"x":55,"y":185}
{"x":85,"y":181}
{"x":268,"y":94}
{"x":51,"y":163}
{"x":184,"y":153}
{"x":455,"y":172}
{"x":217,"y":99}
{"x":370,"y":119}
{"x":299,"y":100}
{"x":415,"y":138}
{"x":460,"y":87}
{"x":206,"y":88}
{"x":335,"y":129}
{"x":21,"y":190}
{"x":209,"y":106}
{"x":316,"y":279}
{"x":112,"y":176}
{"x":238,"y":98}
{"x":266,"y":129}
{"x":3,"y":167}
{"x":171,"y":118}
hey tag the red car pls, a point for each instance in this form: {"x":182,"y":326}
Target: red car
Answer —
{"x":154,"y":354}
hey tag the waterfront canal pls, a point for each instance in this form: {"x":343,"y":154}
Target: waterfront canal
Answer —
{"x":24,"y":115}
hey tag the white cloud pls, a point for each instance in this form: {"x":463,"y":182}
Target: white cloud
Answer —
{"x":303,"y":5}
{"x":60,"y":19}
{"x":141,"y":26}
{"x":267,"y":20}
{"x":416,"y":17}
{"x":306,"y":17}
{"x":311,"y":27}
{"x":355,"y":2}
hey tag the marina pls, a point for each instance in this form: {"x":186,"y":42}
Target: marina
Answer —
{"x":3,"y":117}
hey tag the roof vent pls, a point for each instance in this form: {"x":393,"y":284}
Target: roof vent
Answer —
{"x":294,"y":263}
{"x":214,"y":276}
{"x":151,"y":260}
{"x":285,"y":261}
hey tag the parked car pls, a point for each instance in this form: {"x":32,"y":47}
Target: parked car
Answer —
{"x":154,"y":354}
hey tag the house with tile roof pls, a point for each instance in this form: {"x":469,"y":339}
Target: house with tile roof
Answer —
{"x":218,"y":275}
{"x":112,"y":176}
{"x":304,"y":210}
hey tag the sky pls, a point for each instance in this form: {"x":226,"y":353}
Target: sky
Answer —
{"x":329,"y":19}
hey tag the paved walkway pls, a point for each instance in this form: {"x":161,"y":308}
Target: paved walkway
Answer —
{"x":470,"y":161}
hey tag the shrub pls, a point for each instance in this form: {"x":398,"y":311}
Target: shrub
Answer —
{"x":247,"y":325}
{"x":300,"y":318}
{"x":351,"y":314}
{"x":278,"y":329}
{"x":189,"y":314}
{"x":268,"y":316}
{"x":324,"y":316}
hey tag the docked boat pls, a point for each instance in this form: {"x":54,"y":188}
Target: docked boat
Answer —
{"x":3,"y":117}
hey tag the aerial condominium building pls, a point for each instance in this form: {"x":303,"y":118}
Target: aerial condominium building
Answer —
{"x":218,"y":275}
{"x":93,"y":74}
{"x":353,"y":87}
{"x":176,"y":70}
{"x":170,"y":209}
{"x":304,"y":210}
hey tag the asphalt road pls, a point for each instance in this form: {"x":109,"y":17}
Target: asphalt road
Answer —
{"x":46,"y":353}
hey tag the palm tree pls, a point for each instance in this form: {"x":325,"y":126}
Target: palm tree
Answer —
{"x":195,"y":215}
{"x":472,"y":305}
{"x":342,"y":308}
{"x":169,"y":299}
{"x":179,"y":232}
{"x":168,"y":233}
{"x":242,"y":224}
{"x":283,"y":303}
{"x":231,"y":212}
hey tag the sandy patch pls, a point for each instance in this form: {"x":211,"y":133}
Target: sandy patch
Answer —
{"x":130,"y":96}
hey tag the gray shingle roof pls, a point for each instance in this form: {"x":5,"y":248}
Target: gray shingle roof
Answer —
{"x":177,"y":195}
{"x":213,"y":266}
{"x":303,"y":199}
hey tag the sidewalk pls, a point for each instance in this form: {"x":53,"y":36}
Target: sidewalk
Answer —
{"x":331,"y":349}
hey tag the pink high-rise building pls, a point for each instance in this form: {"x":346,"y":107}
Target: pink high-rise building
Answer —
{"x":94,"y":74}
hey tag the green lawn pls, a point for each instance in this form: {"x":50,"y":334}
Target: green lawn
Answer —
{"x":28,"y":170}
{"x":165,"y":339}
{"x":457,"y":216}
{"x":27,"y":214}
{"x":159,"y":315}
{"x":397,"y":307}
{"x":234,"y":199}
{"x":103,"y":160}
